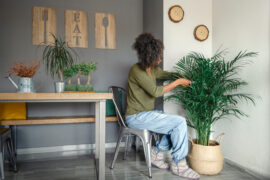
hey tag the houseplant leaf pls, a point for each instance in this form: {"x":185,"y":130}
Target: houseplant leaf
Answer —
{"x":214,"y":93}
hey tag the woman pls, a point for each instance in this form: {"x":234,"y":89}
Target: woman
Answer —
{"x":140,"y":113}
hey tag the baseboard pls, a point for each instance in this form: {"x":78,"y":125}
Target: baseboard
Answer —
{"x":66,"y":148}
{"x":242,"y":168}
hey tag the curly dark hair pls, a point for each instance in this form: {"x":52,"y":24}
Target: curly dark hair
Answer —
{"x":148,"y":50}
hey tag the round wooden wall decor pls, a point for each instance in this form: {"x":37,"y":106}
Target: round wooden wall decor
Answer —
{"x":201,"y":33}
{"x":176,"y":13}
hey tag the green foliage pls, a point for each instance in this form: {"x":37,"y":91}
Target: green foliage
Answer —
{"x":83,"y":68}
{"x":75,"y":69}
{"x":89,"y":87}
{"x":57,"y":57}
{"x":68,"y":73}
{"x":213,"y":94}
{"x":80,"y":69}
{"x":70,"y":87}
{"x":86,"y":68}
{"x":80,"y":88}
{"x":93,"y":66}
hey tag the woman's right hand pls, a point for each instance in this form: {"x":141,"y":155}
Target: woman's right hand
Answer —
{"x":183,"y":82}
{"x":177,"y":82}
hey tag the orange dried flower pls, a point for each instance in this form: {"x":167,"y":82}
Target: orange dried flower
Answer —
{"x":22,"y":70}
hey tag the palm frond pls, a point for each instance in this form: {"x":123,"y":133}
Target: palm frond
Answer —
{"x":214,"y":95}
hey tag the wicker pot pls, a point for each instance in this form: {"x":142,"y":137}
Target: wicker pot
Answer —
{"x":206,"y":160}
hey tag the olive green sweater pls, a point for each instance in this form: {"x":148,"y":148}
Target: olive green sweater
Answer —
{"x":142,"y":89}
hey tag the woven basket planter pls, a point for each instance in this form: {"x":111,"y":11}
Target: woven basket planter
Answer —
{"x":206,"y":160}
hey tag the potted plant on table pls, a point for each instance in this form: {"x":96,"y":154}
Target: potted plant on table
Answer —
{"x":213,"y":95}
{"x":82,"y":69}
{"x":86,"y":71}
{"x":68,"y":74}
{"x":57,"y":57}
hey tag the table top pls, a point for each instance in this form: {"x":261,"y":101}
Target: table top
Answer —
{"x":73,"y":96}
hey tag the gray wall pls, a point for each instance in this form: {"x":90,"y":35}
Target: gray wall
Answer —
{"x":113,"y":65}
{"x":153,"y":23}
{"x":153,"y":17}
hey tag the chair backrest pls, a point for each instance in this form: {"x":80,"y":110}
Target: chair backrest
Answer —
{"x":119,"y":98}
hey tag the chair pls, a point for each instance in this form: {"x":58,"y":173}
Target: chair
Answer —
{"x":144,"y":135}
{"x":5,"y":139}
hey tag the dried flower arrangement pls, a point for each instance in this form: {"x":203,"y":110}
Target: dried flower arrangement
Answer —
{"x":22,"y":70}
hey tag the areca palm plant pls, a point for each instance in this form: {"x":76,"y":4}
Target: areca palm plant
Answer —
{"x":214,"y":93}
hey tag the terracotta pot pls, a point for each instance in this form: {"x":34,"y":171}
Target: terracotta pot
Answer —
{"x":206,"y":160}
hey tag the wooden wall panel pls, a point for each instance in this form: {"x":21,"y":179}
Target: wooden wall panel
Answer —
{"x":76,"y":28}
{"x":44,"y":23}
{"x":105,"y":31}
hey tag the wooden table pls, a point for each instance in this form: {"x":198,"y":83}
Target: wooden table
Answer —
{"x":100,"y":115}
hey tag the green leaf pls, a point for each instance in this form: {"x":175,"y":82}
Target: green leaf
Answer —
{"x":58,"y":56}
{"x":215,"y":93}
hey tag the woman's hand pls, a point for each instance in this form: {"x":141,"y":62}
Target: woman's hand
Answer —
{"x":182,"y":82}
{"x":177,"y":82}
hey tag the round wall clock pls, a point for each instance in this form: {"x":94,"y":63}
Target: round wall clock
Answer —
{"x":176,"y":13}
{"x":201,"y":33}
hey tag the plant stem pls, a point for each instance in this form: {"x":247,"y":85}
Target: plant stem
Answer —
{"x":88,"y":78}
{"x":208,"y":137}
{"x":69,"y":80}
{"x":79,"y":78}
{"x":61,"y":75}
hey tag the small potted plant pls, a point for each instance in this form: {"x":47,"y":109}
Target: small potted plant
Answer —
{"x":86,"y":70}
{"x":26,"y":74}
{"x":57,"y":57}
{"x":68,"y":74}
{"x":78,"y":69}
{"x":83,"y":69}
{"x":213,"y":95}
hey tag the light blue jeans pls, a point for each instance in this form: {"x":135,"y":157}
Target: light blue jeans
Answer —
{"x":173,"y":128}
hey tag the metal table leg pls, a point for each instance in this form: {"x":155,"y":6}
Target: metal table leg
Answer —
{"x":2,"y":166}
{"x":100,"y":138}
{"x":14,"y":137}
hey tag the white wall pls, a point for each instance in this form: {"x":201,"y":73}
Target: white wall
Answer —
{"x":236,"y":25}
{"x":241,"y":25}
{"x":178,"y":37}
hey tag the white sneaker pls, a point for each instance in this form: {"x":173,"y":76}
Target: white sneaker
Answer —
{"x":181,"y":169}
{"x":158,"y":160}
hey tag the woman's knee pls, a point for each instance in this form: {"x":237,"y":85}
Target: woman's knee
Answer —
{"x":181,"y":122}
{"x":178,"y":121}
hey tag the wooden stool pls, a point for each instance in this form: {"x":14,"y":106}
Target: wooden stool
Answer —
{"x":5,"y":139}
